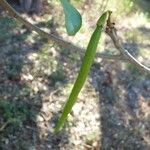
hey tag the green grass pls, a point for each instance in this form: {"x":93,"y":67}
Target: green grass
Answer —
{"x":7,"y":24}
{"x":13,"y":114}
{"x":57,"y":76}
{"x":135,"y":71}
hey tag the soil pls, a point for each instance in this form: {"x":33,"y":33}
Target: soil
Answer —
{"x":36,"y":76}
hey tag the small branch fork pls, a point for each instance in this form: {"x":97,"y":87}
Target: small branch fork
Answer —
{"x":110,"y":30}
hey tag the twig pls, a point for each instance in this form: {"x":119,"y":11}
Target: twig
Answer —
{"x":57,"y":40}
{"x":112,"y":32}
{"x":4,"y":126}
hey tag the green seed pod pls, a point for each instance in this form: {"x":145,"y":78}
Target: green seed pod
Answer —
{"x":73,"y":20}
{"x":84,"y":70}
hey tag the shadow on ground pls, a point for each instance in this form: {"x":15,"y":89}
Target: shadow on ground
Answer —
{"x":144,"y":5}
{"x":124,"y":123}
{"x":26,"y":83}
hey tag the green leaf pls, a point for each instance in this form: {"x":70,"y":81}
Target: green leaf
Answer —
{"x":73,"y":20}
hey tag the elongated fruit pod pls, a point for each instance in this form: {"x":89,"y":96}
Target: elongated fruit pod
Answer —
{"x":73,"y":20}
{"x":84,"y":70}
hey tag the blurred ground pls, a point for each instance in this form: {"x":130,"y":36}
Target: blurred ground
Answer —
{"x":36,"y":76}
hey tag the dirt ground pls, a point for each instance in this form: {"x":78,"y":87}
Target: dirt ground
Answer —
{"x":36,"y":76}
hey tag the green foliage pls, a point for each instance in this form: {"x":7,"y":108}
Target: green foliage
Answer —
{"x":8,"y":26}
{"x":14,"y":68}
{"x":73,"y":20}
{"x":135,"y":71}
{"x":3,"y":35}
{"x":13,"y":113}
{"x":57,"y":76}
{"x":7,"y":23}
{"x":128,"y":4}
{"x":121,"y":7}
